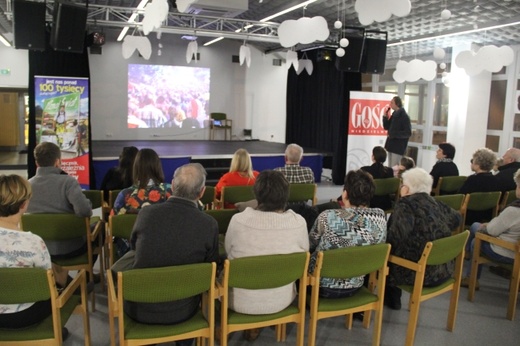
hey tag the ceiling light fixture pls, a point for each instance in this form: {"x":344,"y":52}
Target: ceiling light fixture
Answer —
{"x":459,"y":33}
{"x":5,"y":41}
{"x":278,"y":14}
{"x":132,"y":18}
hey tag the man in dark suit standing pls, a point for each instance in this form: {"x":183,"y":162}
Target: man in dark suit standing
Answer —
{"x":399,"y":130}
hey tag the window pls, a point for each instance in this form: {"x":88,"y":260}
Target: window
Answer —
{"x":440,"y":104}
{"x":497,"y":103}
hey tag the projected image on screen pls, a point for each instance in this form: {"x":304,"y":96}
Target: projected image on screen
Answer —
{"x":168,"y":97}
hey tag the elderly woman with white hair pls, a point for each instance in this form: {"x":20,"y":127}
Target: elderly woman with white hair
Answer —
{"x":417,"y":219}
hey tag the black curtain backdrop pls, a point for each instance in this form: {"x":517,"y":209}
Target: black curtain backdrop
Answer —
{"x":54,"y":64}
{"x":318,"y":109}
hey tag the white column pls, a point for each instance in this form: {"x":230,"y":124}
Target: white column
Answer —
{"x":468,"y":111}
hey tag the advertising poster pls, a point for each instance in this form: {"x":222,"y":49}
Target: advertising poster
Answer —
{"x":62,"y":118}
{"x":365,"y":127}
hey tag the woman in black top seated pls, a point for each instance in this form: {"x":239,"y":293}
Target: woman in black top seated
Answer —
{"x":444,"y":167}
{"x":482,"y":181}
{"x":379,"y":171}
{"x":120,"y":177}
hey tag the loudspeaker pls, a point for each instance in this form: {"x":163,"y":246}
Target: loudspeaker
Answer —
{"x":29,"y":24}
{"x":68,"y":29}
{"x":351,"y":61}
{"x":374,"y":56}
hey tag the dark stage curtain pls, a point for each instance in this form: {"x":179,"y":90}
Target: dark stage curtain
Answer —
{"x":54,"y":64}
{"x":318,"y":110}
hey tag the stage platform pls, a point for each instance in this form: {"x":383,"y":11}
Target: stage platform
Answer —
{"x":109,"y":150}
{"x":215,"y":156}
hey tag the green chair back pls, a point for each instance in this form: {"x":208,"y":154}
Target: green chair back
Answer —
{"x":453,"y":201}
{"x":112,"y":195}
{"x":361,"y":260}
{"x":480,"y":201}
{"x":234,"y":194}
{"x":387,"y":186}
{"x":55,"y":226}
{"x":208,"y":197}
{"x":122,"y":225}
{"x":95,"y":197}
{"x":446,"y":249}
{"x":223,"y":217}
{"x":270,"y":271}
{"x":218,"y":116}
{"x":22,"y":285}
{"x":166,"y":284}
{"x":450,"y":185}
{"x":302,"y":193}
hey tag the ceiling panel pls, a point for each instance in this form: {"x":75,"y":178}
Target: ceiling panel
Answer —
{"x":424,"y":22}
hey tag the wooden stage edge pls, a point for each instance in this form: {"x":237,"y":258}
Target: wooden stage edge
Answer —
{"x":196,"y":149}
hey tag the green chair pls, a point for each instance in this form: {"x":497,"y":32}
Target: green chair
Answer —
{"x":96,"y":199}
{"x":346,"y":263}
{"x":56,"y":227}
{"x":219,"y":121}
{"x":507,"y":198}
{"x":223,"y":217}
{"x":302,"y":193}
{"x":24,"y":285}
{"x":262,"y":272}
{"x":208,"y":199}
{"x":233,"y":194}
{"x":481,"y":202}
{"x":455,"y":202}
{"x":478,"y":259}
{"x":436,"y":252}
{"x":112,"y":195}
{"x":157,"y":285}
{"x":120,"y":226}
{"x":449,"y":185}
{"x":388,"y":187}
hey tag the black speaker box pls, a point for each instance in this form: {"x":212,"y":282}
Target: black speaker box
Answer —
{"x":374,"y":56}
{"x":68,"y":29}
{"x":29,"y":24}
{"x":351,"y":61}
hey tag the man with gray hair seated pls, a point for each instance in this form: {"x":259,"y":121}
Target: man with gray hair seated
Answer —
{"x":173,"y":233}
{"x":292,"y":170}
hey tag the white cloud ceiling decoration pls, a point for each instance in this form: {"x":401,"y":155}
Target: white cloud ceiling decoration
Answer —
{"x":155,"y":13}
{"x":193,"y":48}
{"x":414,"y":70}
{"x":245,"y":55}
{"x":183,"y":5}
{"x":305,"y":64}
{"x":292,"y":59}
{"x":304,"y":30}
{"x":381,"y":10}
{"x":140,"y":43}
{"x":488,"y":58}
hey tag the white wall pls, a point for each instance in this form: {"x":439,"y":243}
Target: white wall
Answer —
{"x":254,"y":98}
{"x":17,"y":61}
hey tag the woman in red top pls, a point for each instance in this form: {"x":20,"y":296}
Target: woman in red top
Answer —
{"x":240,"y":173}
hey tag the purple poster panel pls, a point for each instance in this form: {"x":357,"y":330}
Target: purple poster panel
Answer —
{"x":62,"y":116}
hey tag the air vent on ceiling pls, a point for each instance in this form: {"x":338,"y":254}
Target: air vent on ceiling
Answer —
{"x":218,"y":8}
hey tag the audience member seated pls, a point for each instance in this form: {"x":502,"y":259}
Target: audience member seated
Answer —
{"x":267,"y":230}
{"x":20,"y":249}
{"x":354,"y":225}
{"x":148,"y":187}
{"x":511,"y":164}
{"x":417,"y":219}
{"x":482,"y":181}
{"x":378,"y":170}
{"x":173,"y":233}
{"x":240,"y":173}
{"x":292,"y":170}
{"x":405,"y":163}
{"x":120,"y":177}
{"x":55,"y":192}
{"x":505,"y":226}
{"x":444,"y":167}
